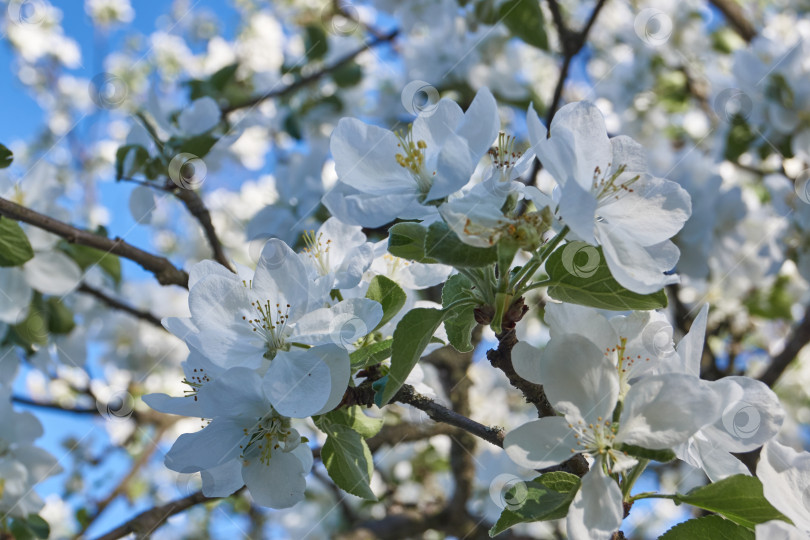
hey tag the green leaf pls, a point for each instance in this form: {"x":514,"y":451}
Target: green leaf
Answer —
{"x":60,"y":318}
{"x":411,"y":337}
{"x":20,"y":530}
{"x":316,"y":42}
{"x":33,"y":330}
{"x":738,"y":498}
{"x":389,"y":295}
{"x":198,"y":145}
{"x":545,"y":498}
{"x":708,"y":528}
{"x":348,"y":460}
{"x":129,"y":159}
{"x":459,"y":321}
{"x":87,"y":256}
{"x":524,"y":19}
{"x":580,"y":275}
{"x":371,"y":354}
{"x":348,"y":74}
{"x":407,"y":240}
{"x":38,"y":526}
{"x":351,"y":417}
{"x":14,"y":246}
{"x":446,"y":247}
{"x":664,"y":456}
{"x":6,"y":156}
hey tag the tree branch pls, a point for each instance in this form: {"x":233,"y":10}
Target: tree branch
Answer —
{"x":55,"y":406}
{"x":146,"y":522}
{"x":165,"y":272}
{"x":733,"y":13}
{"x":198,"y":210}
{"x":799,"y":337}
{"x":117,"y":304}
{"x":313,"y":77}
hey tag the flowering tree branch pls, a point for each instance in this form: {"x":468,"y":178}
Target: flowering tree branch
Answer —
{"x":165,"y":272}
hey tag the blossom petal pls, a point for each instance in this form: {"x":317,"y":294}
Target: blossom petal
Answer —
{"x":578,"y":211}
{"x":183,"y":406}
{"x":653,"y":212}
{"x":210,"y":447}
{"x":596,"y":511}
{"x":661,"y":411}
{"x":365,"y":158}
{"x":52,"y":272}
{"x":526,"y":361}
{"x":638,"y":268}
{"x":751,"y":414}
{"x":579,"y":379}
{"x":279,"y":483}
{"x":281,"y":278}
{"x":298,"y":383}
{"x":216,"y":398}
{"x":342,"y":324}
{"x":222,"y":480}
{"x":690,"y":348}
{"x":540,"y":443}
{"x":785,"y":476}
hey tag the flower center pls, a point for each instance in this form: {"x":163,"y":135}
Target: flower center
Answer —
{"x":504,"y":157}
{"x":271,"y":432}
{"x":626,"y":365}
{"x":608,"y":186}
{"x":196,"y":381}
{"x":271,"y":323}
{"x":318,"y":251}
{"x":394,"y":264}
{"x":597,"y":440}
{"x":412,"y":158}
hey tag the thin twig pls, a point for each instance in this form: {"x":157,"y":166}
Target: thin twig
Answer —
{"x":313,"y":77}
{"x":733,"y":13}
{"x":165,"y":272}
{"x":119,"y":305}
{"x":55,"y":406}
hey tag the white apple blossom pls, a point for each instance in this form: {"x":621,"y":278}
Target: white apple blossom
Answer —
{"x":582,"y":383}
{"x":279,"y":321}
{"x":22,"y":465}
{"x":245,"y":442}
{"x":403,"y":173}
{"x":608,"y":198}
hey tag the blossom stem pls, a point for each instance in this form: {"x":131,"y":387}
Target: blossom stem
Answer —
{"x":538,"y":259}
{"x":630,"y":479}
{"x":650,"y":495}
